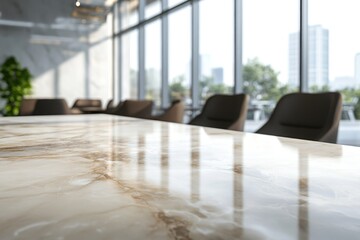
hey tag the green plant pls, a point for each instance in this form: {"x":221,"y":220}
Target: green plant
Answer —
{"x":15,"y":83}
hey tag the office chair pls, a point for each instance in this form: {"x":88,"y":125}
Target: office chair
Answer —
{"x":223,"y":111}
{"x":110,"y":107}
{"x":174,"y":113}
{"x":135,"y":108}
{"x":51,"y":107}
{"x":310,"y":116}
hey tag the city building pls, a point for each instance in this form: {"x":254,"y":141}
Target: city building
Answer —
{"x":218,"y":75}
{"x":318,"y":61}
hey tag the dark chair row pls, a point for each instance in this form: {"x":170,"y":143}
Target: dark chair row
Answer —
{"x":306,"y":116}
{"x":57,"y":106}
{"x":131,"y":108}
{"x":143,"y":109}
{"x":298,"y":115}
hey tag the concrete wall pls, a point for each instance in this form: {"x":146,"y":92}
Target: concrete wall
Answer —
{"x":67,"y":57}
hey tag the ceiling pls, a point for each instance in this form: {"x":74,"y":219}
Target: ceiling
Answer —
{"x":48,"y":11}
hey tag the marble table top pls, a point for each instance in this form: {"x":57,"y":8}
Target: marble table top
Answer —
{"x":110,"y":177}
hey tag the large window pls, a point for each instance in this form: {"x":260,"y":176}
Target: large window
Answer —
{"x":192,"y":49}
{"x":180,"y":55}
{"x":173,"y":3}
{"x":152,"y":7}
{"x":153,"y":62}
{"x":129,"y":12}
{"x":130,"y":69}
{"x":334,"y":59}
{"x":216,"y":63}
{"x":270,"y":52}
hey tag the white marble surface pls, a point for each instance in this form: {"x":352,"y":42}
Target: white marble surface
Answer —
{"x":108,"y":177}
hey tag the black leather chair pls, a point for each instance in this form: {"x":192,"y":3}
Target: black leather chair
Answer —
{"x":310,"y":116}
{"x":223,"y":111}
{"x":175,"y":113}
{"x":51,"y":107}
{"x":135,"y":108}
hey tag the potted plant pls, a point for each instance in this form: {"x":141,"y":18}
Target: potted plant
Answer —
{"x":15,"y":83}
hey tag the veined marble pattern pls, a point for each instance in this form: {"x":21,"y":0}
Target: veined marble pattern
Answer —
{"x":109,"y":177}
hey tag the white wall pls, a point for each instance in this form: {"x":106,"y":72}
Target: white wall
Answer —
{"x":67,"y":58}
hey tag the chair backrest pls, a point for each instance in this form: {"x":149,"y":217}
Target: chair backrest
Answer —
{"x":110,"y":104}
{"x":175,"y":113}
{"x":27,"y":106}
{"x":135,"y":108}
{"x":81,"y":103}
{"x":223,"y":111}
{"x":310,"y":116}
{"x":110,"y":107}
{"x":51,"y":107}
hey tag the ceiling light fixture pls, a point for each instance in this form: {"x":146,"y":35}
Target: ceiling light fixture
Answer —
{"x":77,"y":3}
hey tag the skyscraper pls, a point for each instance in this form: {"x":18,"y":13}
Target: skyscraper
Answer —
{"x":318,"y":62}
{"x":218,"y":75}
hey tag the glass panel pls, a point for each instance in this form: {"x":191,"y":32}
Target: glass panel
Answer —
{"x":173,"y":3}
{"x":333,"y":45}
{"x":216,"y":48}
{"x":117,"y":17}
{"x":130,"y":65}
{"x":129,"y":11}
{"x":270,"y":53}
{"x":334,"y":59}
{"x":180,"y":55}
{"x":117,"y":64}
{"x":152,"y":7}
{"x":153,"y":61}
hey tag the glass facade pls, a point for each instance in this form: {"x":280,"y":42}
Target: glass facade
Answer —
{"x":180,"y":56}
{"x":269,"y":53}
{"x":153,"y":62}
{"x":130,"y":66}
{"x":216,"y":62}
{"x":198,"y":58}
{"x":152,"y":7}
{"x":173,"y":3}
{"x":196,"y":48}
{"x":334,"y":58}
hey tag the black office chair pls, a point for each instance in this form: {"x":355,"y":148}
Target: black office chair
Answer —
{"x":223,"y":111}
{"x":51,"y":107}
{"x":310,"y":116}
{"x":135,"y":108}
